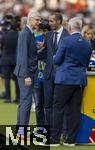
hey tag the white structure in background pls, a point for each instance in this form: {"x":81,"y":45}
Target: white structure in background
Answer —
{"x":38,"y":4}
{"x":17,"y":9}
{"x":71,"y":1}
{"x":28,"y":1}
{"x":62,"y":5}
{"x":52,"y":4}
{"x":55,"y":4}
{"x":91,"y":4}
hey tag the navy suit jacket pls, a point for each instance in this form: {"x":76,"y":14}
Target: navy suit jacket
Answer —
{"x":72,"y":58}
{"x":9,"y":42}
{"x":49,"y":48}
{"x":27,"y":63}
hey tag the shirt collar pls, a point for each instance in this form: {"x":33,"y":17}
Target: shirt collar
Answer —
{"x":75,"y":32}
{"x":60,"y":30}
{"x":29,"y":28}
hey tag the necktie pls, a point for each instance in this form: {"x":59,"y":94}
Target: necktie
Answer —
{"x":55,"y":42}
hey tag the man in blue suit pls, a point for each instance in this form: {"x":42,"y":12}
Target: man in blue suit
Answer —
{"x":26,"y":66}
{"x":52,"y":41}
{"x":72,"y":59}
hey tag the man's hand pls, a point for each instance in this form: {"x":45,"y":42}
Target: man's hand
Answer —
{"x":28,"y":81}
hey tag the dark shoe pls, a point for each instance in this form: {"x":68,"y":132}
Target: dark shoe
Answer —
{"x":15,"y":101}
{"x":53,"y":143}
{"x":69,"y":144}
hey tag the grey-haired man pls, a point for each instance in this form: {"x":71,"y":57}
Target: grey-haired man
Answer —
{"x":26,"y":67}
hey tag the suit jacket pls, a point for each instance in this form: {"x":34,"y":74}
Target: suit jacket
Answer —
{"x":49,"y":48}
{"x":9,"y":41}
{"x":26,"y":64}
{"x":72,"y":58}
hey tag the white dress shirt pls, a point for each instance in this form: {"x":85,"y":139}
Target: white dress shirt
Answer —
{"x":59,"y":33}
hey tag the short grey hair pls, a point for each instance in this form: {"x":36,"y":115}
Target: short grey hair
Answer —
{"x":75,"y":23}
{"x":32,"y":14}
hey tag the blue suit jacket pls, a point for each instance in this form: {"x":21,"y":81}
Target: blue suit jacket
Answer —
{"x":72,"y":58}
{"x":49,"y":48}
{"x":26,"y":64}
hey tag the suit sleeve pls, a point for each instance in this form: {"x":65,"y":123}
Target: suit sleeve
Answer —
{"x":32,"y":56}
{"x":23,"y":46}
{"x":89,"y":56}
{"x":58,"y":58}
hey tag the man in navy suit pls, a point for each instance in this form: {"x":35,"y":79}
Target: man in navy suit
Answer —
{"x":52,"y":41}
{"x":72,"y":59}
{"x":8,"y":60}
{"x":26,"y":66}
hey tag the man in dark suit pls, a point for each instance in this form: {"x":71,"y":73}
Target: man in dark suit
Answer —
{"x":26,"y":66}
{"x":52,"y":41}
{"x":8,"y":59}
{"x":72,"y":59}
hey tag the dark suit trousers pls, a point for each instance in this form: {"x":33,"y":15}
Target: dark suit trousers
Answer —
{"x":8,"y":74}
{"x":70,"y":95}
{"x":49,"y":86}
{"x":48,"y":98}
{"x":25,"y":102}
{"x":39,"y":104}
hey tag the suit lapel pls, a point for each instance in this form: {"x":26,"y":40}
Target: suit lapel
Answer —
{"x":64,"y":34}
{"x":51,"y":40}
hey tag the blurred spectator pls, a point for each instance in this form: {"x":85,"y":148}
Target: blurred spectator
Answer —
{"x":23,"y":22}
{"x":8,"y":59}
{"x":88,"y":33}
{"x":65,"y":21}
{"x":2,"y":94}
